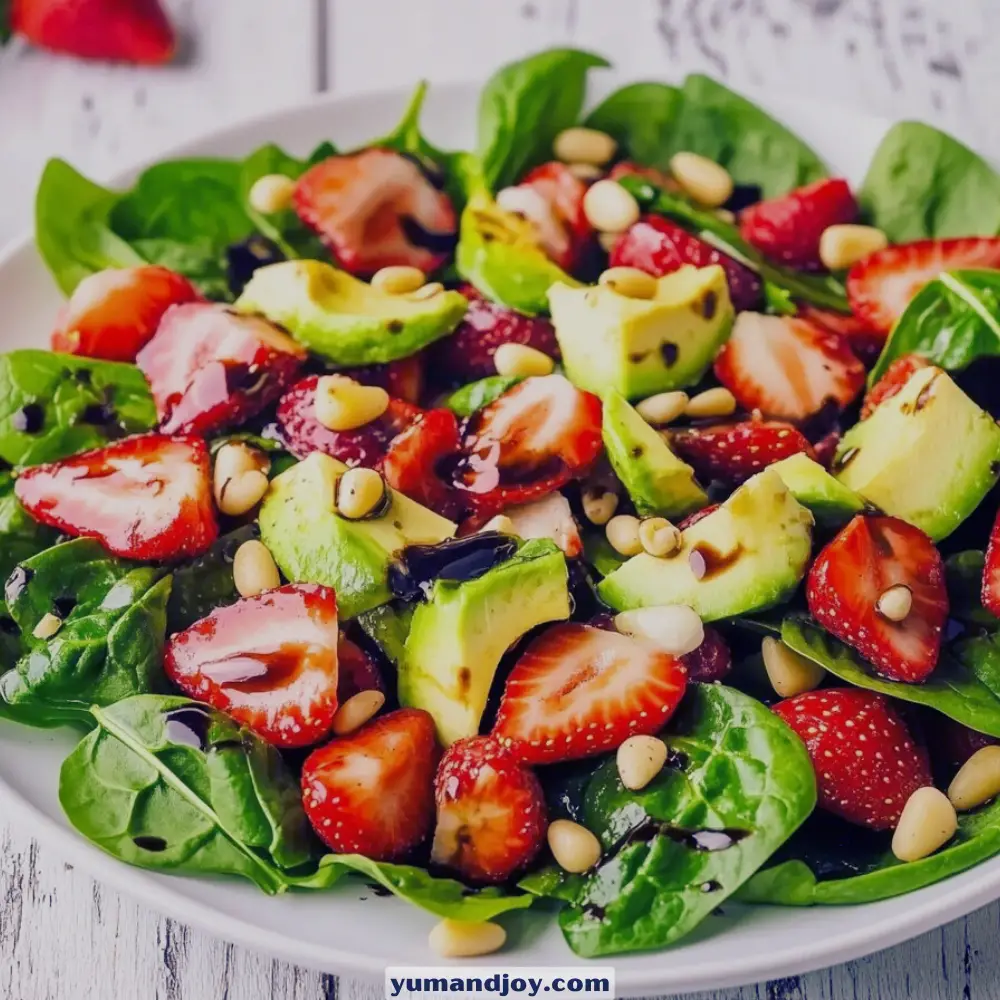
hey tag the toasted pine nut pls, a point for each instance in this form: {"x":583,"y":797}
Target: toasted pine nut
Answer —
{"x":599,"y":508}
{"x":356,"y":711}
{"x":977,"y":781}
{"x":895,"y":603}
{"x":521,"y":360}
{"x":789,"y":672}
{"x":359,"y":492}
{"x":623,"y":534}
{"x":609,"y":208}
{"x":704,"y":180}
{"x":466,"y":938}
{"x":717,"y":402}
{"x":341,"y":404}
{"x":663,"y":408}
{"x":235,"y":458}
{"x":674,"y":628}
{"x":398,"y":280}
{"x":842,"y":246}
{"x":47,"y":626}
{"x":629,"y":281}
{"x":725,"y":215}
{"x":254,"y":569}
{"x":573,"y":846}
{"x":928,"y":821}
{"x":584,"y":145}
{"x":241,"y":493}
{"x":608,"y":241}
{"x":585,"y":172}
{"x":658,"y":536}
{"x":427,"y":291}
{"x":640,"y":759}
{"x":501,"y":523}
{"x":271,"y":193}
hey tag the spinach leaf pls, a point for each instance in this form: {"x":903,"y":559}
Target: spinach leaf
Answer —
{"x":198,"y":259}
{"x":524,"y":106}
{"x":923,"y":183}
{"x":474,"y":396}
{"x":740,"y":784}
{"x":166,"y":783}
{"x":54,"y":405}
{"x":981,"y":656}
{"x":640,"y":117}
{"x":964,"y":576}
{"x":600,"y":553}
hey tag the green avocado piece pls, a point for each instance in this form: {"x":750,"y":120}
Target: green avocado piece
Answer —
{"x":657,"y":481}
{"x":889,"y":458}
{"x":747,"y":555}
{"x":312,"y":543}
{"x":346,"y":320}
{"x":639,"y":347}
{"x":458,"y":635}
{"x":831,"y":503}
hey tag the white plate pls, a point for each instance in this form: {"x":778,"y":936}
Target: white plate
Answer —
{"x":338,"y":931}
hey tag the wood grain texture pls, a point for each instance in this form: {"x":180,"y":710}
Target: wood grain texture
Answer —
{"x":63,"y":936}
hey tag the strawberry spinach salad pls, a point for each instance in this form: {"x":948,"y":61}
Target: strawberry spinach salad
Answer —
{"x":557,"y":523}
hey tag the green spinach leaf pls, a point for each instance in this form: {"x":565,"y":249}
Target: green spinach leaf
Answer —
{"x":474,"y":396}
{"x":641,"y":118}
{"x":964,"y":576}
{"x":980,"y":655}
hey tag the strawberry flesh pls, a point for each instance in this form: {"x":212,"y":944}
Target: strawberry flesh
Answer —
{"x":896,"y":376}
{"x":991,"y":571}
{"x":865,"y":342}
{"x":711,"y":661}
{"x":413,"y":457}
{"x":402,"y":379}
{"x":356,"y":671}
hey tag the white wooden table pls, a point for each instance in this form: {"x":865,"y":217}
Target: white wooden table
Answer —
{"x":61,"y":935}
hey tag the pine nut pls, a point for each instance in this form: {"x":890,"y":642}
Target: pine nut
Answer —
{"x":501,"y":523}
{"x":271,"y":193}
{"x":359,"y":492}
{"x":977,"y":781}
{"x":789,"y":672}
{"x":725,"y":215}
{"x":609,"y":208}
{"x":623,"y":534}
{"x":398,"y":280}
{"x":674,"y":628}
{"x":842,"y":246}
{"x":704,"y":180}
{"x":573,"y":846}
{"x":608,"y":241}
{"x":586,"y":172}
{"x":895,"y":603}
{"x":599,"y":508}
{"x":584,"y":145}
{"x":427,"y":291}
{"x":241,"y":493}
{"x":663,"y":408}
{"x":630,"y":282}
{"x":640,"y":759}
{"x":341,"y":404}
{"x":928,"y":822}
{"x":522,"y":361}
{"x":466,"y":938}
{"x":658,"y":536}
{"x":717,"y":402}
{"x":356,"y":711}
{"x":235,"y":458}
{"x":47,"y":626}
{"x":254,"y":569}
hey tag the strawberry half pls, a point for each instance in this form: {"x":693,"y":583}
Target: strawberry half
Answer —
{"x":579,"y":690}
{"x":881,"y":286}
{"x":114,"y":313}
{"x":147,"y":497}
{"x":270,"y":661}
{"x":375,"y":209}
{"x":372,"y":792}
{"x":413,"y":457}
{"x":896,"y":376}
{"x":210,"y":368}
{"x":868,"y":557}
{"x":865,"y":342}
{"x":491,"y":818}
{"x":402,"y":379}
{"x":787,"y":367}
{"x":991,"y":571}
{"x":711,"y":661}
{"x":867,"y":763}
{"x":356,"y":671}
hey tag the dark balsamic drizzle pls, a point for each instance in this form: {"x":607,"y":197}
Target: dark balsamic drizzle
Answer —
{"x":63,"y":606}
{"x":154,"y":844}
{"x":8,"y":626}
{"x":188,"y":726}
{"x":703,"y":841}
{"x":459,"y":559}
{"x":379,"y":890}
{"x":427,"y":238}
{"x":16,"y":583}
{"x":710,"y":886}
{"x":30,"y":419}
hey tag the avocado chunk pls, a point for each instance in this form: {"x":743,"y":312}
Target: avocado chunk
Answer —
{"x":747,"y":555}
{"x":831,"y":503}
{"x":458,"y":635}
{"x":312,"y":543}
{"x":643,"y":346}
{"x":890,"y":457}
{"x":656,"y":479}
{"x":346,"y":320}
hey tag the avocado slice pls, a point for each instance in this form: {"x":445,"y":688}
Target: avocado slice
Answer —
{"x":458,"y":635}
{"x":748,"y":555}
{"x":831,"y":503}
{"x":643,"y":346}
{"x":312,"y":543}
{"x":656,"y":479}
{"x":346,"y":320}
{"x":890,"y":457}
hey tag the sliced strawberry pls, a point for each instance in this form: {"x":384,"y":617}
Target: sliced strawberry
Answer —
{"x":357,"y":671}
{"x":578,"y":691}
{"x":372,"y":792}
{"x":787,"y":367}
{"x":867,"y":763}
{"x":114,"y":313}
{"x":552,"y":518}
{"x":868,"y":557}
{"x":826,"y":447}
{"x":865,"y":342}
{"x":402,"y":379}
{"x":147,"y":497}
{"x":991,"y":571}
{"x":658,"y":247}
{"x":881,"y":286}
{"x":413,"y":457}
{"x":711,"y":661}
{"x":377,"y":208}
{"x":490,"y":811}
{"x":210,"y":368}
{"x":896,"y":376}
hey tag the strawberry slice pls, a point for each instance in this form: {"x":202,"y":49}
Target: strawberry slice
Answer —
{"x":991,"y":571}
{"x":552,"y":518}
{"x":402,"y":379}
{"x":114,"y":313}
{"x":270,"y":661}
{"x":865,"y":342}
{"x":356,"y":671}
{"x":372,"y":792}
{"x":658,"y":247}
{"x":867,"y":763}
{"x":147,"y":497}
{"x":787,"y":367}
{"x":787,"y":229}
{"x":210,"y":368}
{"x":579,"y":690}
{"x":881,"y":286}
{"x":491,"y":818}
{"x":826,"y":446}
{"x":896,"y":376}
{"x":377,"y":208}
{"x":851,"y":573}
{"x":711,"y":661}
{"x":413,"y":457}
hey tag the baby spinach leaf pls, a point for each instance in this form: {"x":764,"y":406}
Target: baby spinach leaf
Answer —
{"x":474,"y":396}
{"x":640,"y":117}
{"x":964,"y":576}
{"x":981,"y":656}
{"x":198,"y":259}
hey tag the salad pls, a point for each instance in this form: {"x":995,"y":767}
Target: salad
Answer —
{"x":602,"y":519}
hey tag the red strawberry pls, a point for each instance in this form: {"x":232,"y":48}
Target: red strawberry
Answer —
{"x":413,"y":457}
{"x":787,"y":367}
{"x":402,"y":379}
{"x":490,"y":811}
{"x":135,"y":31}
{"x":147,"y":497}
{"x":113,"y":313}
{"x":991,"y":571}
{"x":626,"y":168}
{"x":357,"y":671}
{"x":694,"y":518}
{"x":377,"y":208}
{"x":550,"y":517}
{"x":867,"y":763}
{"x":787,"y":229}
{"x":896,"y":376}
{"x":578,"y":691}
{"x":372,"y":792}
{"x":826,"y":447}
{"x":880,"y":286}
{"x":211,"y":368}
{"x":711,"y":661}
{"x":734,"y":452}
{"x":658,"y":247}
{"x":865,"y":342}
{"x":868,"y":557}
{"x":951,"y":744}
